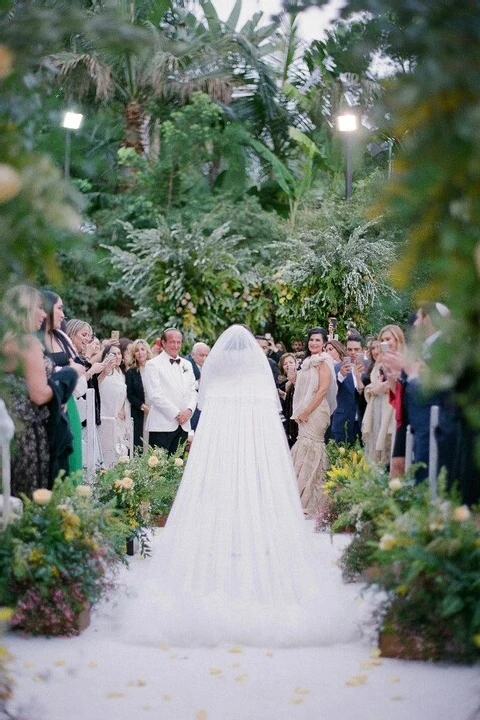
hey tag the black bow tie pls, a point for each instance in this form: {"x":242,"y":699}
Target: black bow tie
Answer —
{"x":174,"y":360}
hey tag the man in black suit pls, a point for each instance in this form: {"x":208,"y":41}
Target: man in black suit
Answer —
{"x":197,"y":357}
{"x":264,"y":344}
{"x":347,"y":418}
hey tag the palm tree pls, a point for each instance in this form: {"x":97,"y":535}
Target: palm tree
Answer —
{"x":178,"y":55}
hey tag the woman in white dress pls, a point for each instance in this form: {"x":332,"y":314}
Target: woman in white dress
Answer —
{"x":235,"y":562}
{"x":115,"y":429}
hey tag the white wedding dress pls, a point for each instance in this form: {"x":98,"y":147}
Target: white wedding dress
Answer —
{"x":235,"y":562}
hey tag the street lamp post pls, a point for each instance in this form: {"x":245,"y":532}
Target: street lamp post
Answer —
{"x":347,"y":124}
{"x":71,"y":121}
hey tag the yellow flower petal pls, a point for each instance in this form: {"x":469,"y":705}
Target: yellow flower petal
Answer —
{"x":241,"y":678}
{"x":215,"y":671}
{"x":92,"y":664}
{"x":162,"y":646}
{"x":296,"y":701}
{"x":115,"y":695}
{"x":235,"y":649}
{"x":302,"y":691}
{"x":59,"y":663}
{"x":201,"y":715}
{"x":357,"y":680}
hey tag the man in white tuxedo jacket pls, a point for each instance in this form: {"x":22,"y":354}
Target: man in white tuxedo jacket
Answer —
{"x":170,"y":388}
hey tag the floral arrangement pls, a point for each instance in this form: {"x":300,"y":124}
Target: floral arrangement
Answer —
{"x":359,"y":496}
{"x":142,"y":487}
{"x":58,"y":558}
{"x":345,"y":463}
{"x":428,"y":562}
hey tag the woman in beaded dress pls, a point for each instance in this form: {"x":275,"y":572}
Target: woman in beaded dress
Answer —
{"x":314,"y":401}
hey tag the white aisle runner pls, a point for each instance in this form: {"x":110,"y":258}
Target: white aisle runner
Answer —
{"x":94,"y":678}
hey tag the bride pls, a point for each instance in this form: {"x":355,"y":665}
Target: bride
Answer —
{"x":235,"y":562}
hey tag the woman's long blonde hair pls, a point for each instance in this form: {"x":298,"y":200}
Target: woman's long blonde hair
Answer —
{"x":397,"y":333}
{"x":131,"y":360}
{"x":19,"y":305}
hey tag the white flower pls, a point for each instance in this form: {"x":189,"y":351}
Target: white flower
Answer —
{"x":153,"y":461}
{"x":395,"y":484}
{"x":387,"y":542}
{"x":461,"y":513}
{"x":42,"y":496}
{"x":178,"y":462}
{"x":124,"y":459}
{"x":83,"y":490}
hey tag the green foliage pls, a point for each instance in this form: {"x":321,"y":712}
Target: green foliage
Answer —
{"x":189,"y":279}
{"x":429,"y":563}
{"x":359,"y":497}
{"x":330,"y":274}
{"x":142,"y":488}
{"x":58,"y":558}
{"x":433,"y":112}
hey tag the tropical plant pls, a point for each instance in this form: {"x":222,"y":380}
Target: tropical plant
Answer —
{"x":142,"y":488}
{"x":59,"y":558}
{"x":189,"y":279}
{"x":428,"y":562}
{"x":328,"y":273}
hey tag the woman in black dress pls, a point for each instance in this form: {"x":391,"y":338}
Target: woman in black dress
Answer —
{"x":140,"y":352}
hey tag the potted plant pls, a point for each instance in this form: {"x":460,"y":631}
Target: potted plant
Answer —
{"x":428,"y":562}
{"x":143,"y":488}
{"x":58,"y":559}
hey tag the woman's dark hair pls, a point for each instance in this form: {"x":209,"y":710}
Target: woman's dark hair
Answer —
{"x":315,"y":331}
{"x":49,"y":300}
{"x":106,"y":350}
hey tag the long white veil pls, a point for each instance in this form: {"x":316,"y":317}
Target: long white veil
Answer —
{"x":235,"y":562}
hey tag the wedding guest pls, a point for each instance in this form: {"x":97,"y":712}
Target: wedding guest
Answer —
{"x":63,"y":354}
{"x":114,"y":437}
{"x":27,"y":368}
{"x":197,"y":357}
{"x":313,"y":403}
{"x":80,"y":333}
{"x":125,"y":345}
{"x":286,"y":388}
{"x":347,"y":418}
{"x":139,"y":353}
{"x":378,"y":422}
{"x":336,"y":350}
{"x":169,"y":383}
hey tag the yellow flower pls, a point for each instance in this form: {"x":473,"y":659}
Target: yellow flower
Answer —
{"x":153,"y":461}
{"x":395,"y":484}
{"x":476,"y":640}
{"x":387,"y":542}
{"x":341,"y":451}
{"x":83,"y":490}
{"x":42,"y":496}
{"x":70,"y":526}
{"x":127,"y":483}
{"x":36,"y":557}
{"x":178,"y":462}
{"x":461,"y":513}
{"x":5,"y":614}
{"x":401,"y":589}
{"x":54,"y":570}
